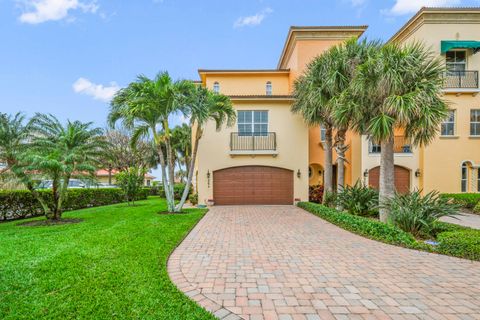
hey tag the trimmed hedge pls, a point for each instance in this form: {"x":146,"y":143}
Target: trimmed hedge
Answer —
{"x":463,"y":244}
{"x":465,"y":200}
{"x":19,"y":204}
{"x":177,"y":191}
{"x":454,"y":240}
{"x":369,"y":228}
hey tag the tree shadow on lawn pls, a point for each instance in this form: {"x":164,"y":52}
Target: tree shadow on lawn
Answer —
{"x":46,"y":223}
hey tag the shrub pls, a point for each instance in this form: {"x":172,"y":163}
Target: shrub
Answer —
{"x":330,"y":199}
{"x":177,"y":191}
{"x":416,"y":214}
{"x":19,"y":204}
{"x":131,"y":182}
{"x":463,"y":244}
{"x":193,"y":199}
{"x":369,"y":228}
{"x":315,"y":193}
{"x":476,"y":209}
{"x":465,"y":200}
{"x":359,"y":200}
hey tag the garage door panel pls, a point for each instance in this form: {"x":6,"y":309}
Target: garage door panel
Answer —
{"x":402,"y":179}
{"x":253,"y":185}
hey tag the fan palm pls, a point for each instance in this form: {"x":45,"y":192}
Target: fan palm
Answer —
{"x":145,"y":106}
{"x":399,"y":87}
{"x":203,"y":106}
{"x":182,"y":145}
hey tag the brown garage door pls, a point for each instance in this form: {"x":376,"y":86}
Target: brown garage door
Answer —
{"x":252,"y":185}
{"x":402,"y":179}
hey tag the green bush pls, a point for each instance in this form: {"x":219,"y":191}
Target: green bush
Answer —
{"x":359,"y":200}
{"x":463,"y":244}
{"x":416,"y":214}
{"x":369,"y":228}
{"x":193,"y":199}
{"x":330,"y":199}
{"x":476,"y":209}
{"x":465,"y":200}
{"x":21,"y":203}
{"x":177,"y":191}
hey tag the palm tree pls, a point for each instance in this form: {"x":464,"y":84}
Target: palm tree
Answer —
{"x":399,"y":87}
{"x":313,"y":103}
{"x":204,"y":106}
{"x":182,"y":145}
{"x":145,"y":107}
{"x":61,"y":152}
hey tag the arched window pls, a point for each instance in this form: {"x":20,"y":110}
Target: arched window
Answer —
{"x":464,"y":181}
{"x":269,"y":88}
{"x":216,"y":87}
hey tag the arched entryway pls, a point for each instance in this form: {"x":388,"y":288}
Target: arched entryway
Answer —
{"x":253,"y":185}
{"x":402,"y":178}
{"x":315,"y":174}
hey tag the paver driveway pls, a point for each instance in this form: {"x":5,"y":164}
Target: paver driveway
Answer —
{"x":269,"y":262}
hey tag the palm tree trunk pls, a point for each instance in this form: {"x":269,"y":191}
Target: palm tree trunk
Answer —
{"x":341,"y":148}
{"x":62,"y":193}
{"x":387,"y":177}
{"x":198,"y":135}
{"x":328,"y":167}
{"x":168,"y":193}
{"x":170,"y":161}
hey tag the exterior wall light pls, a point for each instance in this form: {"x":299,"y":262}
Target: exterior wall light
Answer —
{"x":418,"y":173}
{"x":299,"y":174}
{"x":365,"y":173}
{"x":208,"y":178}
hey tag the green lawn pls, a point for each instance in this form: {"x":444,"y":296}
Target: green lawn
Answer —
{"x":110,"y":266}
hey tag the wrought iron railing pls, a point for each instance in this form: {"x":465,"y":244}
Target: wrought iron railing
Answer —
{"x":461,"y":79}
{"x":257,"y":141}
{"x":400,"y":145}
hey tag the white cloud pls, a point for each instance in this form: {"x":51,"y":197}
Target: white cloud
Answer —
{"x":38,"y":11}
{"x":402,"y":7}
{"x":254,"y":20}
{"x":97,"y":91}
{"x":357,"y":3}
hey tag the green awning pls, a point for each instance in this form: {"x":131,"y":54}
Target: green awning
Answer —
{"x":453,"y":44}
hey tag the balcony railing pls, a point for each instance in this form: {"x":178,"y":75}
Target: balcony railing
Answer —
{"x":461,"y":80}
{"x":400,"y":145}
{"x":257,"y":141}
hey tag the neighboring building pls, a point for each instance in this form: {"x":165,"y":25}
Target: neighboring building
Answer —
{"x":271,"y":157}
{"x":104,"y":176}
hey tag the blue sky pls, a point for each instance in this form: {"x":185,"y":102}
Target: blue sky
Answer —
{"x":67,"y":57}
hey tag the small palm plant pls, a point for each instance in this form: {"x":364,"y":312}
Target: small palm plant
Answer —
{"x":359,"y":200}
{"x":416,"y":214}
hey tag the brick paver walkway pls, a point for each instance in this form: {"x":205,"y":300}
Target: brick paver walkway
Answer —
{"x":280,"y":262}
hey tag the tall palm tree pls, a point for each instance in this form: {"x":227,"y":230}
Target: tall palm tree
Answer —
{"x":145,"y":106}
{"x":312,"y":102}
{"x":204,"y":106}
{"x":399,"y":87}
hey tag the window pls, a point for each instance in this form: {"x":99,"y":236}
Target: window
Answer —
{"x":269,"y":88}
{"x":148,"y":183}
{"x":478,"y":179}
{"x":464,"y":177}
{"x":374,"y":147}
{"x":456,"y":60}
{"x":252,"y":123}
{"x":448,"y":126}
{"x":216,"y":87}
{"x":323,"y":134}
{"x":475,"y":122}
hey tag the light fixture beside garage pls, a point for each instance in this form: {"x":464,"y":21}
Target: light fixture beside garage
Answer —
{"x":208,"y":178}
{"x":299,"y":174}
{"x":365,"y":173}
{"x":418,"y":173}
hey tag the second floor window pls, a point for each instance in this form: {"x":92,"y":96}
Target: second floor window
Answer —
{"x":268,"y":88}
{"x":456,"y":60}
{"x":475,"y":122}
{"x":323,"y":134}
{"x":252,"y":122}
{"x":448,"y":126}
{"x":216,"y":87}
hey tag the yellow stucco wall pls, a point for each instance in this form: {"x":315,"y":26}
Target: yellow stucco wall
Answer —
{"x":292,"y":147}
{"x":440,"y":162}
{"x":250,"y":83}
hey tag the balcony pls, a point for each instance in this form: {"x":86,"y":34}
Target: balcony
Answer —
{"x":401,"y":145}
{"x":253,"y":143}
{"x":461,"y":80}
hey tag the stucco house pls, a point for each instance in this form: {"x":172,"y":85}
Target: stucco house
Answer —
{"x":271,"y":157}
{"x":107,"y":177}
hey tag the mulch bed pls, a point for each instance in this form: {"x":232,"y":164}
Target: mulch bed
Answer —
{"x":42,"y":223}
